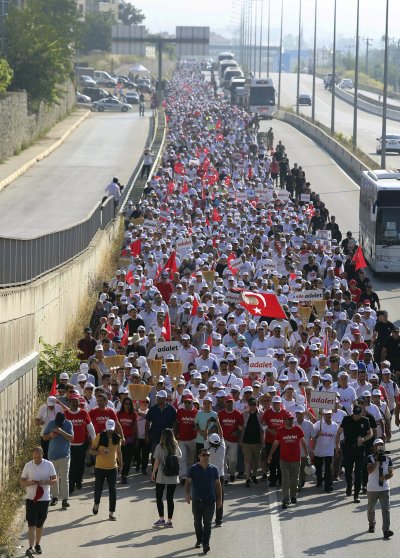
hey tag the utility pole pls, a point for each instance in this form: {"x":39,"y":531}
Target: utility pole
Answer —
{"x":314,"y":60}
{"x":333,"y":84}
{"x":385,"y":84}
{"x":367,"y":41}
{"x":355,"y":106}
{"x":298,"y":60}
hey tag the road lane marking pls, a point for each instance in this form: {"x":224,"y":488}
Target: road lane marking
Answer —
{"x":275,"y":526}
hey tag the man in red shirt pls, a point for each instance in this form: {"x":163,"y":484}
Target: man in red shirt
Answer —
{"x":231,"y":421}
{"x":83,"y":434}
{"x":358,"y":343}
{"x":165,"y":287}
{"x":273,"y":419}
{"x":289,"y":439}
{"x":186,"y":435}
{"x":102,"y":413}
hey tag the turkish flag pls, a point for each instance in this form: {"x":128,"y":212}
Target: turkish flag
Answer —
{"x":359,"y":259}
{"x":216,"y":217}
{"x":195,"y":306}
{"x":53,"y":390}
{"x":233,"y":269}
{"x":129,"y":277}
{"x":170,"y":187}
{"x":124,"y":338}
{"x":265,"y":304}
{"x":167,"y":328}
{"x":179,"y":168}
{"x":136,"y":247}
{"x":171,"y":264}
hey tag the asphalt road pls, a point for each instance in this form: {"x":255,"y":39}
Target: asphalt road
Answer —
{"x":63,"y":188}
{"x":254,"y":524}
{"x":369,"y":126}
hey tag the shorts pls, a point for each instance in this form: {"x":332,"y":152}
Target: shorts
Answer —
{"x":36,"y":512}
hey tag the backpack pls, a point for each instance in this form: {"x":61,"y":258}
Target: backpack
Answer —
{"x":171,"y":466}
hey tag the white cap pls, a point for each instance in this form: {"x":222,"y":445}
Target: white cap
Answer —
{"x":299,"y":409}
{"x":64,"y":376}
{"x":51,"y":401}
{"x":207,"y":398}
{"x":162,"y":393}
{"x":214,"y":439}
{"x":82,"y":378}
{"x":376,"y":392}
{"x":248,"y":389}
{"x":276,"y":399}
{"x":110,"y":424}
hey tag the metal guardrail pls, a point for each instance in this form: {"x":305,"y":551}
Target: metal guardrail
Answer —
{"x":23,"y":260}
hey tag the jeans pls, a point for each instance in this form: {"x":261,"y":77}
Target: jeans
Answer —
{"x":353,"y":458}
{"x":45,"y":447}
{"x":61,"y":488}
{"x":77,"y":465}
{"x":203,"y":512}
{"x":100,"y":475}
{"x":127,"y":456}
{"x":231,"y":455}
{"x":321,"y":463}
{"x":290,"y":477}
{"x":188,"y":449}
{"x":170,"y":499}
{"x":219,"y":512}
{"x":384,"y":499}
{"x":142,"y":451}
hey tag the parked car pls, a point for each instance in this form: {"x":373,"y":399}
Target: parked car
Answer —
{"x":346,"y":83}
{"x":132,"y":97}
{"x":80,"y":98}
{"x":104,"y":79}
{"x":305,"y":99}
{"x":111,"y":104}
{"x":86,"y":81}
{"x":126,"y":82}
{"x":95,"y":93}
{"x":392,"y":144}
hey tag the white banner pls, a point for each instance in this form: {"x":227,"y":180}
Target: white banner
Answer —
{"x":282,"y":194}
{"x":241,"y":196}
{"x":261,"y":364}
{"x":309,"y":296}
{"x":233,"y":297}
{"x":184,"y":247}
{"x":150,"y":224}
{"x":167,"y":347}
{"x":264,"y":195}
{"x":322,"y":399}
{"x":234,"y":264}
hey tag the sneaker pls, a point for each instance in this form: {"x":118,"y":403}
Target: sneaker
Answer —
{"x":65,"y":504}
{"x":264,"y":477}
{"x":168,"y":525}
{"x":95,"y":509}
{"x":206,"y":549}
{"x":112,"y":516}
{"x":240,"y":476}
{"x":356,"y":499}
{"x":79,"y":485}
{"x":293,"y":500}
{"x":247,"y":483}
{"x":254,"y":479}
{"x":371,"y":529}
{"x":232,"y":478}
{"x":29,"y":552}
{"x":137,"y":469}
{"x":387,"y":534}
{"x":124,"y":479}
{"x":38,"y":549}
{"x":348,"y":491}
{"x":197,"y":545}
{"x":54,"y":501}
{"x":218,"y":523}
{"x":159,"y":523}
{"x":285,"y":505}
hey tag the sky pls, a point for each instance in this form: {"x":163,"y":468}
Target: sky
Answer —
{"x":223,"y":16}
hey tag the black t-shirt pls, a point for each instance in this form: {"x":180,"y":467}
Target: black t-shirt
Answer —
{"x":392,"y":347}
{"x":252,"y":431}
{"x":383,"y":329}
{"x":352,"y":429}
{"x":372,"y":423}
{"x":133,"y":325}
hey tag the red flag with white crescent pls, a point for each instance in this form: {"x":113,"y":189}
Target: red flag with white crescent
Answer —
{"x":262,"y":304}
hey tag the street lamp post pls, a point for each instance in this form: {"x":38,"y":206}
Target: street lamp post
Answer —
{"x":280,"y":58}
{"x":268,"y":35}
{"x":298,"y":61}
{"x":261,"y":36}
{"x":385,"y":85}
{"x":333,"y":84}
{"x":255,"y":37}
{"x":355,"y":107}
{"x":314,"y":60}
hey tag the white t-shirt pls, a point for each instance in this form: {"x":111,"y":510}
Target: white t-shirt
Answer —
{"x":347,"y":396}
{"x":308,"y":430}
{"x":326,"y":440}
{"x":41,"y":472}
{"x":47,"y":414}
{"x":373,"y":478}
{"x":217,"y":455}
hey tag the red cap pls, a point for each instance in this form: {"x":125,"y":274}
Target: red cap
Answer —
{"x":229,"y":398}
{"x":188,"y":397}
{"x":74,"y":396}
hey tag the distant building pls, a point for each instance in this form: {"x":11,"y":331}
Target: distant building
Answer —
{"x":100,"y":6}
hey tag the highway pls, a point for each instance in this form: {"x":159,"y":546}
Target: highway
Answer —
{"x":254,"y":524}
{"x":369,"y":126}
{"x":62,"y":189}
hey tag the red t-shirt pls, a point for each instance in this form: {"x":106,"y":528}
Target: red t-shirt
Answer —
{"x":230,"y":423}
{"x":289,"y":443}
{"x":185,"y":420}
{"x":127,"y":422}
{"x":100,"y":416}
{"x":273,"y":420}
{"x":79,"y":420}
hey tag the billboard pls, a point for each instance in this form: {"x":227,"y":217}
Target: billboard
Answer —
{"x":192,"y":41}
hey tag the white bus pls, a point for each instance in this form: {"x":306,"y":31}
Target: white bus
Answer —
{"x":380,"y":220}
{"x":259,"y":97}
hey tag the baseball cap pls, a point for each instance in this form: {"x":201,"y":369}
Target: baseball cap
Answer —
{"x":299,"y":409}
{"x":357,"y":410}
{"x":51,"y":401}
{"x":64,"y":376}
{"x":110,"y":424}
{"x":326,"y":411}
{"x":214,"y":439}
{"x":207,"y":398}
{"x":376,"y":392}
{"x":378,"y":441}
{"x":162,"y":393}
{"x":82,"y":378}
{"x":276,"y":399}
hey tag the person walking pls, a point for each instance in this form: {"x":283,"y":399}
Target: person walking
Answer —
{"x":251,"y":440}
{"x":127,"y":418}
{"x":60,"y":433}
{"x":142,"y":448}
{"x":147,"y":162}
{"x":37,"y":477}
{"x":380,"y":470}
{"x":290,"y":439}
{"x":203,"y":490}
{"x":107,"y":449}
{"x":186,"y":434}
{"x":325,"y":435}
{"x":166,"y":475}
{"x":215,"y":444}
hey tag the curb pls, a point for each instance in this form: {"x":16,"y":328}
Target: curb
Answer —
{"x":22,"y":170}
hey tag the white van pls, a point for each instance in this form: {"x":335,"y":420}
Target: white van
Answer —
{"x":104,"y":79}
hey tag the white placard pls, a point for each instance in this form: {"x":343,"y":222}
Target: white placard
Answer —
{"x":324,"y":235}
{"x":241,"y":196}
{"x":261,"y":364}
{"x":167,"y":347}
{"x":309,"y":296}
{"x":322,"y":399}
{"x":305,"y":197}
{"x":150,"y":224}
{"x":282,"y":194}
{"x":184,"y":247}
{"x":264,"y":196}
{"x":234,"y":264}
{"x":233,"y":297}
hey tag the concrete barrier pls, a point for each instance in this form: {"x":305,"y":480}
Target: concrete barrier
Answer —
{"x":366,"y":106}
{"x":343,"y":156}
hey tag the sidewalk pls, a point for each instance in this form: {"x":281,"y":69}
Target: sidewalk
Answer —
{"x":17,"y":165}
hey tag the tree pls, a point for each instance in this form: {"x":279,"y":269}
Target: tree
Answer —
{"x":6,"y":75}
{"x":39,"y":39}
{"x":130,"y":15}
{"x":95,"y":32}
